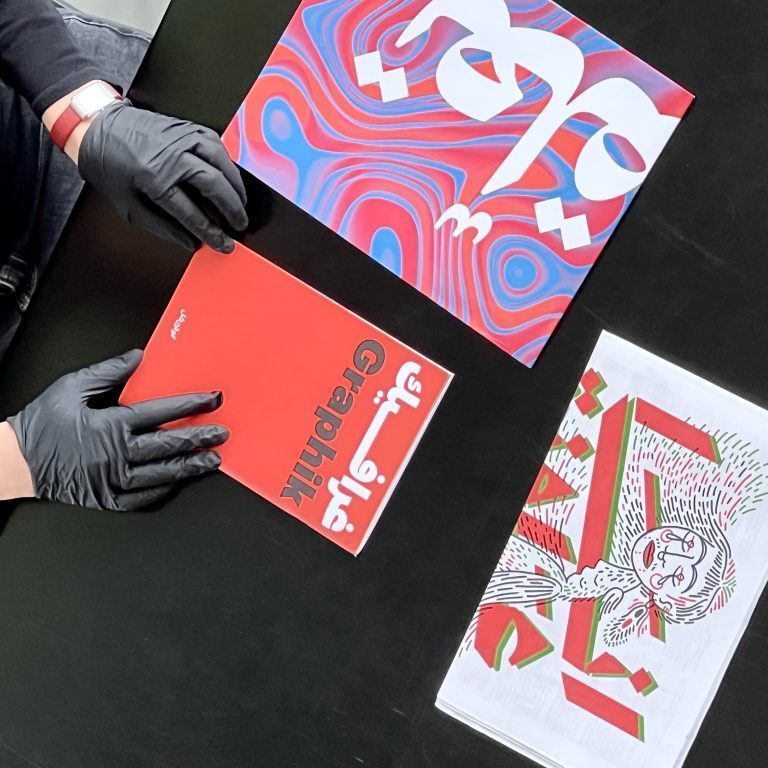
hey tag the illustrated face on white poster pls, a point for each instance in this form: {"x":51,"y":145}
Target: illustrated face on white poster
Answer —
{"x":635,"y":564}
{"x":667,"y":561}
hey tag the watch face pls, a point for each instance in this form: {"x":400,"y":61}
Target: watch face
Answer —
{"x":92,"y":99}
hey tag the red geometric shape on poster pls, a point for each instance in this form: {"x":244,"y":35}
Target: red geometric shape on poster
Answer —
{"x":549,"y":488}
{"x":586,"y":403}
{"x":652,"y":500}
{"x":643,"y":682}
{"x":579,"y":447}
{"x":592,"y":383}
{"x":591,"y":380}
{"x":604,"y":707}
{"x":677,"y":430}
{"x":496,"y":624}
{"x":583,"y":615}
{"x":543,"y":607}
{"x":607,"y":665}
{"x":653,"y":520}
{"x":657,"y":626}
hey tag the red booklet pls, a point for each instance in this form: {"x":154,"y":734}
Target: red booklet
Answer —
{"x":324,"y":409}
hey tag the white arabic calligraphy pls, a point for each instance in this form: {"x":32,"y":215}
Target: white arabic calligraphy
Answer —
{"x":363,"y":470}
{"x":481,"y":221}
{"x":624,"y":107}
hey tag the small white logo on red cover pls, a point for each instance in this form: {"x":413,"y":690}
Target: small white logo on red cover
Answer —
{"x":180,"y":320}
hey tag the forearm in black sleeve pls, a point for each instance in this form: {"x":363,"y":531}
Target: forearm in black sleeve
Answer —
{"x":38,"y":57}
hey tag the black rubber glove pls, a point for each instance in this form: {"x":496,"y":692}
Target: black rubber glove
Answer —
{"x":112,"y":458}
{"x":169,"y":176}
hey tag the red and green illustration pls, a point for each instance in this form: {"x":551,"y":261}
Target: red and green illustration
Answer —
{"x":623,"y":539}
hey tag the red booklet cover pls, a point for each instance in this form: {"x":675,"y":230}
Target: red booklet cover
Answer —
{"x":324,"y":409}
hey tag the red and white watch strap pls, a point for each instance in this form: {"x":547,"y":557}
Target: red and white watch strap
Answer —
{"x":85,"y":104}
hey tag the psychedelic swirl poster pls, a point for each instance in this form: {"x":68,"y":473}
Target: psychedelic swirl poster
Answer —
{"x":482,"y":151}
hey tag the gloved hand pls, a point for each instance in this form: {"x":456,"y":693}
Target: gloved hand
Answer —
{"x":112,"y":458}
{"x":169,"y":176}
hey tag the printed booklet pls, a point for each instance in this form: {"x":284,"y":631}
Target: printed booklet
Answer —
{"x":629,"y":577}
{"x":324,"y":409}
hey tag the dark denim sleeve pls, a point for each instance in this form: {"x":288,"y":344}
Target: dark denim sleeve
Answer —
{"x":38,"y":57}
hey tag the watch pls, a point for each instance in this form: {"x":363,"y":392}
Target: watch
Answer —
{"x":85,"y":104}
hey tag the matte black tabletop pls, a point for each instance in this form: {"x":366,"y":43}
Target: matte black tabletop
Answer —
{"x":219,"y":632}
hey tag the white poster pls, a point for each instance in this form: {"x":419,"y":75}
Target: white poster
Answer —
{"x":630,"y":576}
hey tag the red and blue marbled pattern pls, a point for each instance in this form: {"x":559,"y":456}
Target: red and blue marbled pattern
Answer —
{"x":381,"y":174}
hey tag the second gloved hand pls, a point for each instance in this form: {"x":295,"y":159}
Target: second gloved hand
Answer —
{"x":116,"y":457}
{"x":169,"y":176}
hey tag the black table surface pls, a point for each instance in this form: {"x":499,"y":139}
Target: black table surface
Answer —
{"x":218,"y":631}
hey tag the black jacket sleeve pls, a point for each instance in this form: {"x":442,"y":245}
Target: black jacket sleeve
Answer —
{"x":38,"y":57}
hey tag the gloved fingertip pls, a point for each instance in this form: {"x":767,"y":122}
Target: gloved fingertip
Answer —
{"x":243,"y":222}
{"x":124,"y":364}
{"x":219,"y":434}
{"x":200,"y":463}
{"x":130,"y":361}
{"x":218,"y":398}
{"x":227,"y":245}
{"x":211,"y":460}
